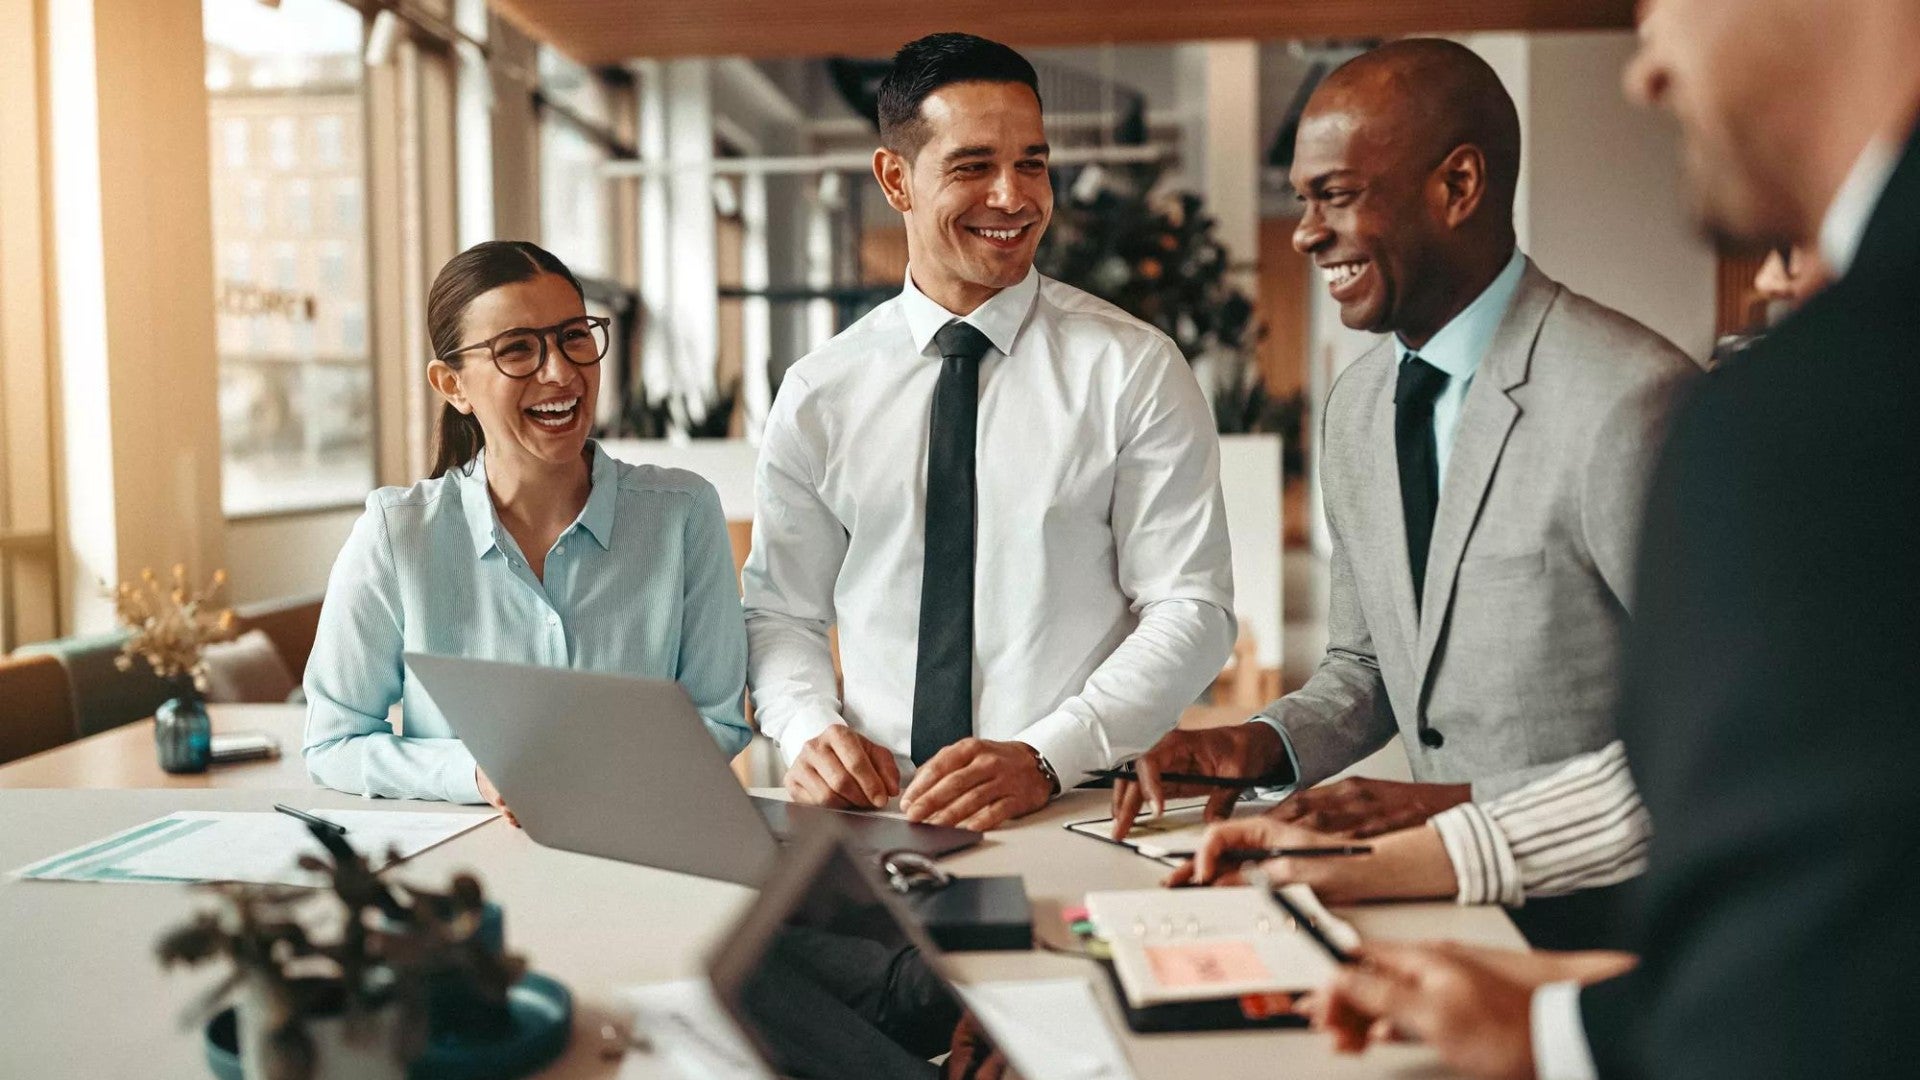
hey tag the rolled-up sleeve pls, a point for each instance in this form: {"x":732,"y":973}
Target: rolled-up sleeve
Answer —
{"x":354,"y":677}
{"x":713,"y":637}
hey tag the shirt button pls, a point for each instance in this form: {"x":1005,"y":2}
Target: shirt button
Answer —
{"x":561,"y":550}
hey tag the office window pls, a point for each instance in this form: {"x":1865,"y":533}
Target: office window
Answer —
{"x":299,"y":205}
{"x":333,"y":269}
{"x":233,"y":137}
{"x":576,"y":204}
{"x":253,"y":205}
{"x":329,"y":142}
{"x":296,"y":395}
{"x":346,"y":205}
{"x":30,"y":583}
{"x":282,"y":142}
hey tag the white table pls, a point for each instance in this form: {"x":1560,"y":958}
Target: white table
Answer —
{"x":84,"y":996}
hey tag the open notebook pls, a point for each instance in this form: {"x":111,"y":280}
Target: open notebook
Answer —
{"x":1183,"y":945}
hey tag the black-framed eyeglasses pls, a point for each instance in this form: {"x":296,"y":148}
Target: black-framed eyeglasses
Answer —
{"x":521,"y":351}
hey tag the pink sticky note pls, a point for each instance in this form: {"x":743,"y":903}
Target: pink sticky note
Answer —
{"x":1205,"y":963}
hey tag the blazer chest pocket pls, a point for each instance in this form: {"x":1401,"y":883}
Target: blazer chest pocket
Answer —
{"x":1494,"y":569}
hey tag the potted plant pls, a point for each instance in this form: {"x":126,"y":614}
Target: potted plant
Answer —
{"x":362,"y":988}
{"x":170,"y":624}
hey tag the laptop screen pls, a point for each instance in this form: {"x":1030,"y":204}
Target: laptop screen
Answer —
{"x":828,"y":978}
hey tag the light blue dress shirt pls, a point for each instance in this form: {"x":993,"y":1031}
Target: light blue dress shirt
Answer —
{"x":641,"y":584}
{"x":1458,"y":349}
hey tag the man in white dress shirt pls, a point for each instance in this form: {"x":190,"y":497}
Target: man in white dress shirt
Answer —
{"x":1004,"y":492}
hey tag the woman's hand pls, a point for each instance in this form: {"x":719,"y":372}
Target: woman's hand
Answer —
{"x":492,"y":795}
{"x":1406,"y":865}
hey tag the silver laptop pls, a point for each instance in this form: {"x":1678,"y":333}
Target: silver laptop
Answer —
{"x":625,"y":768}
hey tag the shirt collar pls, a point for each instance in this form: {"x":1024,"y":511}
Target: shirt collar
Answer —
{"x":1000,"y":318}
{"x":484,"y":525}
{"x":1853,"y":205}
{"x":1461,"y":344}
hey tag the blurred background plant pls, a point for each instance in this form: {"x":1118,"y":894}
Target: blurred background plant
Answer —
{"x":171,"y":623}
{"x":424,"y":955}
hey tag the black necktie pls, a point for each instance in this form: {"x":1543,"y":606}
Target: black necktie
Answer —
{"x":1420,"y":383}
{"x":943,"y":671}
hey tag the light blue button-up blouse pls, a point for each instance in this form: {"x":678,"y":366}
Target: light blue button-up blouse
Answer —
{"x":641,"y":584}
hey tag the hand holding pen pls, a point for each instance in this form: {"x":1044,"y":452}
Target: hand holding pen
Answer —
{"x":1218,"y":762}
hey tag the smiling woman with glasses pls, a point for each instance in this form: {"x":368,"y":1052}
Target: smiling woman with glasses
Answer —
{"x":526,"y":543}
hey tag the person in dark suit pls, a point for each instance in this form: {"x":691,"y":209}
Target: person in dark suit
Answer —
{"x":1767,"y":712}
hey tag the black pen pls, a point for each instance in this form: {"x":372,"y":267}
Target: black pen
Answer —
{"x":333,"y":827}
{"x":1257,"y":854}
{"x":1312,"y":929}
{"x":1195,"y":779}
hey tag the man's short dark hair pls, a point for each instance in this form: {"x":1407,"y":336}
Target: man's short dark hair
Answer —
{"x":938,"y":60}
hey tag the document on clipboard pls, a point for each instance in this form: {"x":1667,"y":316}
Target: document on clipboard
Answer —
{"x":1181,"y":828}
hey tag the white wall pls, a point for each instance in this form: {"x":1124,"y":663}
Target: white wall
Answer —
{"x":1609,"y":213}
{"x":270,"y":558}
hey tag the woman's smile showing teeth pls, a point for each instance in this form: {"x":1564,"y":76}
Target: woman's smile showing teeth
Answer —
{"x":558,"y":414}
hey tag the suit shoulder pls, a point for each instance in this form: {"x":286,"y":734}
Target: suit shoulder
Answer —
{"x":1601,"y":347}
{"x":1358,"y":382}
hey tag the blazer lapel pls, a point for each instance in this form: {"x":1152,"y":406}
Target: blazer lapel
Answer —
{"x":1479,"y":437}
{"x":1383,"y":487}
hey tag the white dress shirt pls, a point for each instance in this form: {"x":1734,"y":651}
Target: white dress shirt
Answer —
{"x":1560,"y":1049}
{"x":1103,"y":586}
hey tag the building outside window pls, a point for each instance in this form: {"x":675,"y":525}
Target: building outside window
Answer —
{"x":296,"y":378}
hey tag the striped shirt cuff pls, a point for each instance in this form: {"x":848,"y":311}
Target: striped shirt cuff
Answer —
{"x":1483,"y":863}
{"x":1583,"y":827}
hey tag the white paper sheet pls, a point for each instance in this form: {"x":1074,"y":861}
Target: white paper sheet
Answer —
{"x":1182,"y":828}
{"x":1050,"y":1029}
{"x":263,"y":848}
{"x":682,"y":1025}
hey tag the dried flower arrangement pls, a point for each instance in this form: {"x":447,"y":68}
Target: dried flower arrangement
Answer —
{"x":421,"y":954}
{"x":171,"y":624}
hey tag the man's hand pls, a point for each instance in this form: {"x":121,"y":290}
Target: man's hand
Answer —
{"x":492,"y":795}
{"x":1473,"y":1005}
{"x":1409,"y":865}
{"x":977,"y":784}
{"x":1357,"y":807}
{"x":1478,"y":1017}
{"x":1251,"y":750}
{"x":845,"y":770}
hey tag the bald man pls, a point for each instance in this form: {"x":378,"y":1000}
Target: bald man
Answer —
{"x":1483,"y":469}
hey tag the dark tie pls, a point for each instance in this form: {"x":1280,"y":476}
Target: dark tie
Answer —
{"x":1420,"y":383}
{"x":943,"y":671}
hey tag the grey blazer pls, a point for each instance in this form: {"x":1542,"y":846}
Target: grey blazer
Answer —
{"x":1508,"y":666}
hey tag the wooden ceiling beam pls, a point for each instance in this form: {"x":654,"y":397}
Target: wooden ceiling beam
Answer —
{"x":610,"y":31}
